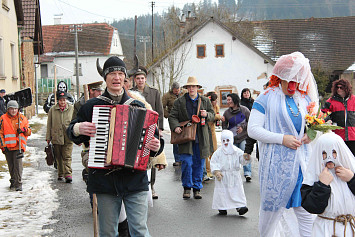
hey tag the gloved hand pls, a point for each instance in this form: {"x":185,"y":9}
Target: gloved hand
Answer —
{"x":246,"y":156}
{"x":218,"y":175}
{"x":23,"y":130}
{"x":5,"y":150}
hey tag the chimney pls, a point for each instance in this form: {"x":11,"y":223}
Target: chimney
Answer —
{"x":183,"y":18}
{"x":188,"y":14}
{"x":58,"y":19}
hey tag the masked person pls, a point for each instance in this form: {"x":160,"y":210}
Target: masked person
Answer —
{"x":11,"y":133}
{"x":62,"y":86}
{"x":277,"y":122}
{"x":328,"y":188}
{"x":112,"y":186}
{"x":226,"y":162}
{"x":59,"y":117}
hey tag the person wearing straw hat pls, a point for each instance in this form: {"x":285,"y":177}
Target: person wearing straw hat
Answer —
{"x":193,"y":153}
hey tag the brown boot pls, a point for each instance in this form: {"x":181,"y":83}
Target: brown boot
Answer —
{"x":197,"y":194}
{"x":187,"y":194}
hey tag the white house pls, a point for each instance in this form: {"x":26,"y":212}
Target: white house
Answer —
{"x":97,"y":40}
{"x":217,"y":57}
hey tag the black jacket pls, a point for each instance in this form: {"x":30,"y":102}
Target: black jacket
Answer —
{"x":315,"y":198}
{"x":104,"y":180}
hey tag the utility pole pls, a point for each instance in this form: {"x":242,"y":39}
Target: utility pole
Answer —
{"x":144,"y":40}
{"x":153,"y":3}
{"x":75,"y":29}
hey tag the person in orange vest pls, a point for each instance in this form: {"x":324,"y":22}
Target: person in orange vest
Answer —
{"x":11,"y":132}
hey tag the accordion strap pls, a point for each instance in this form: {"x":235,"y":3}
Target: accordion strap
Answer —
{"x":108,"y":100}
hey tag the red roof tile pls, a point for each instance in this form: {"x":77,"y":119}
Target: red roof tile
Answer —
{"x":94,"y":38}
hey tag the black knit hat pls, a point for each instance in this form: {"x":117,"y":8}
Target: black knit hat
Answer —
{"x":62,"y":94}
{"x":112,"y":64}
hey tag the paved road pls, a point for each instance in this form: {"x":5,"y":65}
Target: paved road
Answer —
{"x":170,"y":216}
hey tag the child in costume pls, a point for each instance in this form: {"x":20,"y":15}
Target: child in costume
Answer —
{"x":225,"y":165}
{"x":329,"y":187}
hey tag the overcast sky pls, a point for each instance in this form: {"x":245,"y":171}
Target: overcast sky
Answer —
{"x":87,"y":11}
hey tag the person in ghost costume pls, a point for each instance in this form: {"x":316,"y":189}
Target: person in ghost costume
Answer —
{"x":225,"y":165}
{"x":329,"y":187}
{"x":277,"y":122}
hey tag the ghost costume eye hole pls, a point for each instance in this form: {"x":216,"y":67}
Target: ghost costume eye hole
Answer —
{"x":334,"y":154}
{"x":225,"y":140}
{"x":324,"y":154}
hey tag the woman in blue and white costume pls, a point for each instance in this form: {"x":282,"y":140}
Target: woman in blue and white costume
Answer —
{"x":277,"y":121}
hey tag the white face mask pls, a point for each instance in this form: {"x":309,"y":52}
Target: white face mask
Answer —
{"x":227,"y":142}
{"x":62,"y":87}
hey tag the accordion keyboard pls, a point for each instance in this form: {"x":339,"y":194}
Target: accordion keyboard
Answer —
{"x":98,"y":143}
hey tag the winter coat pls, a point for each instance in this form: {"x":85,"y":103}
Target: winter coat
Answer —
{"x":247,"y":102}
{"x":77,"y":106}
{"x":179,"y":114}
{"x":2,"y":106}
{"x":213,"y":126}
{"x":168,"y":102}
{"x":57,"y":124}
{"x":107,"y":180}
{"x":8,"y":126}
{"x":229,"y":114}
{"x":152,"y":96}
{"x":343,"y":113}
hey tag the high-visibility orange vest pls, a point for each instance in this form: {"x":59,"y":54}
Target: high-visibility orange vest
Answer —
{"x":10,"y":134}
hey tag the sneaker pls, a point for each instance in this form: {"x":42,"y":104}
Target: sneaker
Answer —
{"x":197,"y":194}
{"x":242,"y":210}
{"x":248,"y":178}
{"x":187,"y":194}
{"x":68,"y":179}
{"x":206,"y":179}
{"x":222,"y":212}
{"x":60,"y":178}
{"x":177,"y":163}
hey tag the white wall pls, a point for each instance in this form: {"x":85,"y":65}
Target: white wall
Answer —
{"x":238,"y":65}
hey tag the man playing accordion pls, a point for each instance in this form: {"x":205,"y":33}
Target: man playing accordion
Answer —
{"x":114,"y":186}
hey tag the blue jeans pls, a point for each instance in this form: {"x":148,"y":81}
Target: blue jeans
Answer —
{"x":192,"y":168}
{"x":176,"y":153}
{"x":246,"y":168}
{"x":136,"y":206}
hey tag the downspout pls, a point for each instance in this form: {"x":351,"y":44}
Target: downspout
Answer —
{"x":19,"y":56}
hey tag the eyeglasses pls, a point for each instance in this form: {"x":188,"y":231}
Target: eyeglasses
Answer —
{"x":340,"y":87}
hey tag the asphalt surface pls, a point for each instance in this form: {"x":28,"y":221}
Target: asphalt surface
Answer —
{"x":171,"y":214}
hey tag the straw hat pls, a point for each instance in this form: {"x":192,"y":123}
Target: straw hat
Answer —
{"x":192,"y":81}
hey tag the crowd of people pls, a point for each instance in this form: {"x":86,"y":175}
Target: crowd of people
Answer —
{"x":303,"y":183}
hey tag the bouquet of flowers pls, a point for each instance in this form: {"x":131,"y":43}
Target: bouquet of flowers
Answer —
{"x":316,"y":121}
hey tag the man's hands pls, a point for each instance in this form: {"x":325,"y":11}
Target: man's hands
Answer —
{"x":87,"y":129}
{"x":23,"y":130}
{"x":344,"y":174}
{"x":291,"y":141}
{"x":218,"y":175}
{"x":154,"y":144}
{"x":178,"y":130}
{"x":203,"y":113}
{"x":160,"y":167}
{"x":326,"y":177}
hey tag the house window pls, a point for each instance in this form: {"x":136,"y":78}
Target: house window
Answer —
{"x":5,"y":5}
{"x":13,"y":61}
{"x":219,"y":50}
{"x":2,"y":67}
{"x":201,"y":51}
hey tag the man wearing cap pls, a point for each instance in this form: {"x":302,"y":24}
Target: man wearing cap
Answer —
{"x":168,"y":102}
{"x":112,"y":186}
{"x":2,"y":102}
{"x":11,"y":132}
{"x":193,"y":154}
{"x":59,"y":117}
{"x":152,"y":96}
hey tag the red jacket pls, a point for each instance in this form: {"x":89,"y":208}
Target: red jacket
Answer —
{"x":343,"y":113}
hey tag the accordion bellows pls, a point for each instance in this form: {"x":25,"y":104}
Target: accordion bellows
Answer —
{"x":122,"y":132}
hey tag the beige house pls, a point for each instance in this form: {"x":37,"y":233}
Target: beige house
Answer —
{"x":11,"y":17}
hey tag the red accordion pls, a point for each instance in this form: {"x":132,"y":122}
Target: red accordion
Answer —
{"x":122,"y":132}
